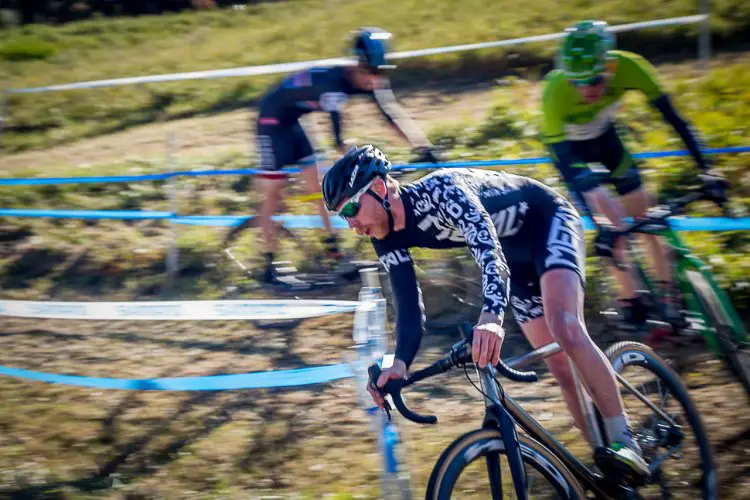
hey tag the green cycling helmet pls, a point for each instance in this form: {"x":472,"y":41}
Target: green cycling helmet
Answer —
{"x":583,"y":53}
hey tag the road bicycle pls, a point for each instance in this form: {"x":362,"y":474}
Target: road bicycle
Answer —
{"x":535,"y":465}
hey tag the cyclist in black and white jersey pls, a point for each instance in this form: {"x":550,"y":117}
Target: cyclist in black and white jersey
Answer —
{"x":528,"y":242}
{"x":282,"y":141}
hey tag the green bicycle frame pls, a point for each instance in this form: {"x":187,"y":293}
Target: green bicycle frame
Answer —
{"x":691,"y":272}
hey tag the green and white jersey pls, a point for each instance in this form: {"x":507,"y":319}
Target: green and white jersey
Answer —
{"x":568,"y":117}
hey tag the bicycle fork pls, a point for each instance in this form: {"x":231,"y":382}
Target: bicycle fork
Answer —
{"x":499,"y":417}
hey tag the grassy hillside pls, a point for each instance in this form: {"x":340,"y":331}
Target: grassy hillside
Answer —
{"x":126,"y":258}
{"x":277,"y":32}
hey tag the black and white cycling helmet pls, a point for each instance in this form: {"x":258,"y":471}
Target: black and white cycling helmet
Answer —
{"x":352,"y":172}
{"x":370,"y":46}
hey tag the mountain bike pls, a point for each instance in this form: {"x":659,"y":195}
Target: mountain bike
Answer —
{"x":706,"y":310}
{"x":535,"y":465}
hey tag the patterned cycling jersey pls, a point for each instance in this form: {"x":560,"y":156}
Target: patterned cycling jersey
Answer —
{"x":568,"y":117}
{"x":503,"y":219}
{"x":318,"y":89}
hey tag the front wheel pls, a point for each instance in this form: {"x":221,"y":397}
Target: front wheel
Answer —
{"x":677,"y":448}
{"x":729,"y":336}
{"x":472,"y":467}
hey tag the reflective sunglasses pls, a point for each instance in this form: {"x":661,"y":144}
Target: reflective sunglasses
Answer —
{"x":593,"y":81}
{"x":352,"y":206}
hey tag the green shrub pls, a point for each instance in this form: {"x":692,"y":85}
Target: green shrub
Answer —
{"x":27,"y":48}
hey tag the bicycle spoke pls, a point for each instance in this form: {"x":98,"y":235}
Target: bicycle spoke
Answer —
{"x":674,"y":466}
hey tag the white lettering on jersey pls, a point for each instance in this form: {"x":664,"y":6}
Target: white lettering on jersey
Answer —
{"x":446,"y":232}
{"x":506,"y":221}
{"x":394,"y":258}
{"x":564,"y":240}
{"x":333,"y":101}
{"x":593,"y":129}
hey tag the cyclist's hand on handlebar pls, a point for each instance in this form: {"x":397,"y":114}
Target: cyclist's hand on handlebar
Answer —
{"x":427,"y":154}
{"x":395,"y":372}
{"x":714,"y":186}
{"x":487,"y":340}
{"x":606,"y":240}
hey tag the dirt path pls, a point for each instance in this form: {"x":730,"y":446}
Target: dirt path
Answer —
{"x":231,"y":132}
{"x":307,"y":442}
{"x":228,"y":133}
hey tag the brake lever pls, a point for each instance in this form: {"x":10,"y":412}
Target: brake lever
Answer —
{"x":373,"y":373}
{"x":393,"y":387}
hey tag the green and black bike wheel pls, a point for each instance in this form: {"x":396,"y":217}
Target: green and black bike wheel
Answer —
{"x":677,"y":448}
{"x":730,"y":338}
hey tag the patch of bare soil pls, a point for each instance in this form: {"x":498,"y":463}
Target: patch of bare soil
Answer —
{"x":234,"y":132}
{"x":64,"y":442}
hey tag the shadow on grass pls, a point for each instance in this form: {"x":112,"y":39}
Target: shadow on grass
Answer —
{"x":735,"y":447}
{"x":131,"y":460}
{"x":283,"y":356}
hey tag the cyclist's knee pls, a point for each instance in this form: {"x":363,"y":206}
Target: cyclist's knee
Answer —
{"x":567,"y":328}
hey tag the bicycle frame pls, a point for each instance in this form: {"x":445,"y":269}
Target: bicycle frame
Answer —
{"x":501,"y":407}
{"x":687,"y":265}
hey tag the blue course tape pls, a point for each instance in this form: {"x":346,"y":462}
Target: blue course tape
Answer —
{"x":314,"y":221}
{"x":85,"y":214}
{"x":696,"y":223}
{"x":415,"y":166}
{"x":257,"y":380}
{"x":83,"y":180}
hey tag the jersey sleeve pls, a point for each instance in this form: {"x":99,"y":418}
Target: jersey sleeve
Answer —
{"x":407,"y":299}
{"x":462,"y":208}
{"x":553,"y":113}
{"x":636,"y":73}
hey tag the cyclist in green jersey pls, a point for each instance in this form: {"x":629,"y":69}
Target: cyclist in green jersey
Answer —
{"x":580,"y":99}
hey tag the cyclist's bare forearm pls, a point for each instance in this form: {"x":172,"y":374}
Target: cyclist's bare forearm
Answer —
{"x":410,"y":132}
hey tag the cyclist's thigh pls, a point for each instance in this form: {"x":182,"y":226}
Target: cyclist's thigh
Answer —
{"x":624,"y":173}
{"x":304,"y":153}
{"x":587,"y":152}
{"x":636,"y":202}
{"x":526,"y":302}
{"x":562,"y":244}
{"x":560,"y":261}
{"x":277,"y":146}
{"x":525,"y":293}
{"x":270,"y":150}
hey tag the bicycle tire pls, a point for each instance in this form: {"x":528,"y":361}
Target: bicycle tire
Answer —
{"x":624,"y":354}
{"x":737,"y":355}
{"x":482,"y":443}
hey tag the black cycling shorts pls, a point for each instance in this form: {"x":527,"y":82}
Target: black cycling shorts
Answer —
{"x":609,"y":151}
{"x":281,"y":145}
{"x":564,"y":247}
